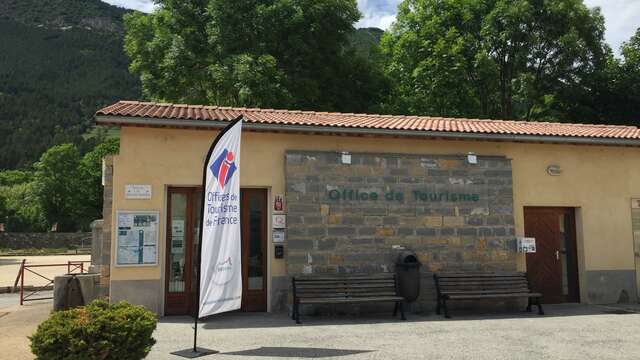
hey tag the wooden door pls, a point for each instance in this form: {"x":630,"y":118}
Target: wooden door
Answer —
{"x":552,"y":269}
{"x":183,"y":237}
{"x":183,"y":233}
{"x":253,"y":210}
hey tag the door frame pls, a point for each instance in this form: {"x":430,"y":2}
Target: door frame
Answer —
{"x":166,"y":237}
{"x":573,"y":273}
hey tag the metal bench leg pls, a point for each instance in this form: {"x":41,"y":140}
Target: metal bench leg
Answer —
{"x":540,"y":311}
{"x":438,"y":306}
{"x":528,"y":304}
{"x":444,"y":307}
{"x":395,"y":309}
{"x":401,"y":304}
{"x":296,"y":309}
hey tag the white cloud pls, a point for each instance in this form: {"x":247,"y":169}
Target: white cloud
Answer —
{"x":142,"y":5}
{"x":377,"y":13}
{"x":622,"y":18}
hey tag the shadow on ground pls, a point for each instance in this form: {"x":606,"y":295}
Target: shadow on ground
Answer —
{"x":9,"y":260}
{"x":239,"y":320}
{"x":297,"y":352}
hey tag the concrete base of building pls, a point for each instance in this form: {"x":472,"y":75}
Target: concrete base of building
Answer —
{"x":611,"y":286}
{"x":147,"y":293}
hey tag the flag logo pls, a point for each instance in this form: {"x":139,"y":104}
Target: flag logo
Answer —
{"x":224,"y":167}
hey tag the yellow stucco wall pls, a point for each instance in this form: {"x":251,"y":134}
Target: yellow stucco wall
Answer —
{"x":599,"y":181}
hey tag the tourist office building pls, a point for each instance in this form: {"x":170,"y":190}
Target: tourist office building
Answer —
{"x":344,"y":193}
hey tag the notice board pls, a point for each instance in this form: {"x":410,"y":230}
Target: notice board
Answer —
{"x":137,"y":240}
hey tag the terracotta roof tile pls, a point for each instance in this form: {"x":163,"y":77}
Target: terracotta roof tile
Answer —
{"x":136,"y":109}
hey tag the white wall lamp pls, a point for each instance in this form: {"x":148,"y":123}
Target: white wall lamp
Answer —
{"x":472,"y":158}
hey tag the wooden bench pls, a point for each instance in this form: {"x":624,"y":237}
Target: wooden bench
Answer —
{"x":483,"y":286}
{"x":345,"y":289}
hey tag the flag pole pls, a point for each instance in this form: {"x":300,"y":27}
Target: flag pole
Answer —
{"x":198,"y":351}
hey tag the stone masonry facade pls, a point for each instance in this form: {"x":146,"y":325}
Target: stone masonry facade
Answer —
{"x":48,"y":240}
{"x":353,"y":213}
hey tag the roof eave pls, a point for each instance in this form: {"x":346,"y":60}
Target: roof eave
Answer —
{"x":212,"y":124}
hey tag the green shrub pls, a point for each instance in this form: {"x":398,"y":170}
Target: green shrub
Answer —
{"x":96,"y":331}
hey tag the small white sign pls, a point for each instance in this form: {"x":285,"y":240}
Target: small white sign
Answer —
{"x":278,"y":236}
{"x":526,"y":244}
{"x":137,"y":191}
{"x":346,"y":158}
{"x":279,"y":221}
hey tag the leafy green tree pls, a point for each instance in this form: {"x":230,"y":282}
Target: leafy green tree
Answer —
{"x":23,"y":211}
{"x":493,"y":58}
{"x":274,"y":53}
{"x":58,"y":183}
{"x":19,"y":205}
{"x":622,"y":102}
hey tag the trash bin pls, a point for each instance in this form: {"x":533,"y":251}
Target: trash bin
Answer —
{"x":408,"y":275}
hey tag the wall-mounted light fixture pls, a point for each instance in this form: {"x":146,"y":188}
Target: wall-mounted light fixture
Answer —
{"x":472,"y":158}
{"x":346,"y":158}
{"x":554,"y":170}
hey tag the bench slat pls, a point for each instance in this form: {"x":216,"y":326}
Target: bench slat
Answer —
{"x":343,"y":278}
{"x":351,"y":286}
{"x":481,"y":274}
{"x":482,"y":279}
{"x":346,"y":296}
{"x":488,"y":296}
{"x":485,"y":291}
{"x":349,"y":300}
{"x":355,"y":291}
{"x":498,"y":283}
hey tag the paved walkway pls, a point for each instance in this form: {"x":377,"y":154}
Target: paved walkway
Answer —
{"x":17,"y":322}
{"x":566,"y":332}
{"x":10,"y":265}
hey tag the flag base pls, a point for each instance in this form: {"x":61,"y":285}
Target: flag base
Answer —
{"x":190,"y":354}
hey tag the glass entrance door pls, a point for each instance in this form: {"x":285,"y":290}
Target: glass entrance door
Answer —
{"x":253,"y":209}
{"x":183,"y":235}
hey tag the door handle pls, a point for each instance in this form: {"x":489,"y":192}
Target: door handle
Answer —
{"x":557,"y":254}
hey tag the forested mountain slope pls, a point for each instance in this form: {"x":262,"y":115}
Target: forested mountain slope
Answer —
{"x":60,"y":60}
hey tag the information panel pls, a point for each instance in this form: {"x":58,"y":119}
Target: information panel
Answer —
{"x":137,"y":241}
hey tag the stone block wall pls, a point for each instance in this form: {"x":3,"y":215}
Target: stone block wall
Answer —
{"x":49,"y":240}
{"x":353,"y":217}
{"x":107,"y":207}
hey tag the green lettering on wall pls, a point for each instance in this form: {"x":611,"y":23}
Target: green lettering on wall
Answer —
{"x":346,"y":194}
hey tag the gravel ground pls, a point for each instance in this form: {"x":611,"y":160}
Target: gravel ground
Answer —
{"x":566,"y":332}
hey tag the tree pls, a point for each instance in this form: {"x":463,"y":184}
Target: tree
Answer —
{"x":493,"y":58}
{"x":23,"y":211}
{"x":623,"y":100}
{"x":58,"y":182}
{"x":274,"y":53}
{"x":19,"y":205}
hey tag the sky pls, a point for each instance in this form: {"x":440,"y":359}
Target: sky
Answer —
{"x":622,"y":17}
